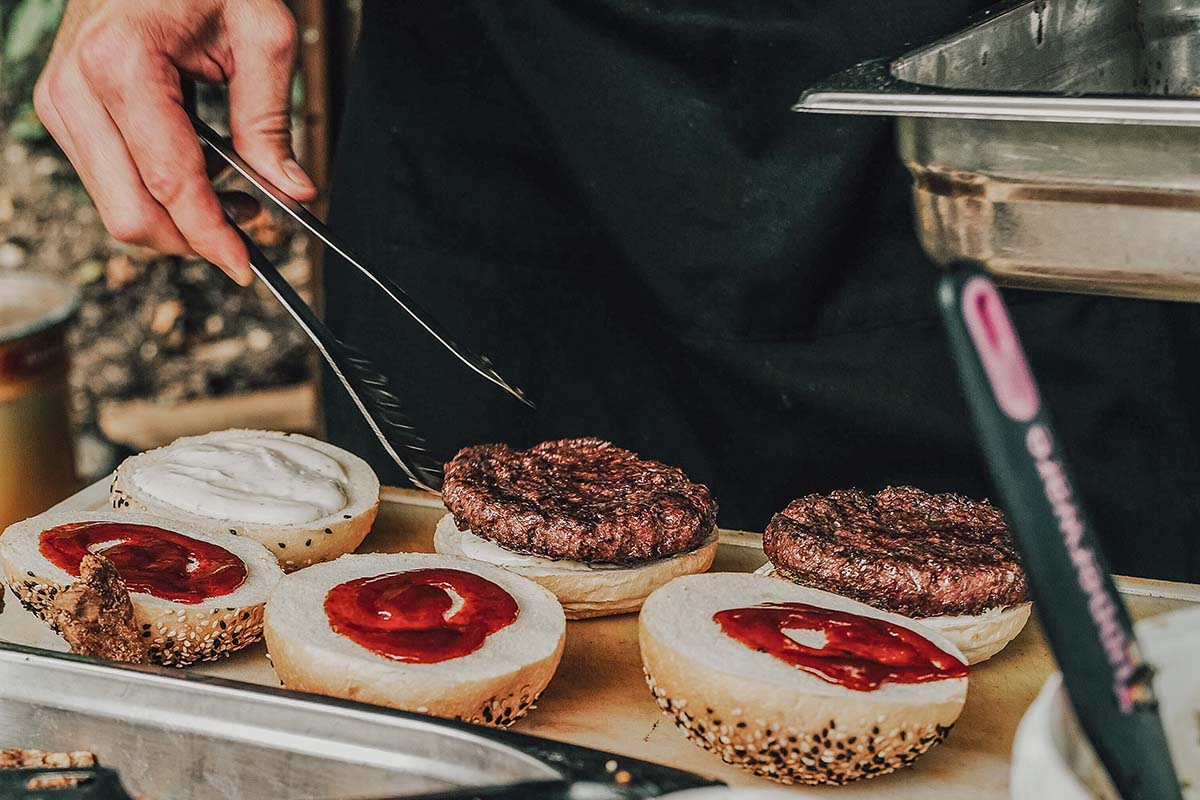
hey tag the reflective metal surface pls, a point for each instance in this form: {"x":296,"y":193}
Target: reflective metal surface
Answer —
{"x":179,"y":736}
{"x":1055,"y":141}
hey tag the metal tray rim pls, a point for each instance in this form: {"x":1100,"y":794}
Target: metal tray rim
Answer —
{"x":871,"y":88}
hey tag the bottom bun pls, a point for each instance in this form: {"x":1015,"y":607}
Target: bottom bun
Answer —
{"x":981,"y":636}
{"x":494,"y":685}
{"x":585,"y":590}
{"x":778,"y":721}
{"x":978,"y":636}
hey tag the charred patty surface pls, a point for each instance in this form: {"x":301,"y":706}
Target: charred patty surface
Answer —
{"x":902,"y":550}
{"x":577,"y":499}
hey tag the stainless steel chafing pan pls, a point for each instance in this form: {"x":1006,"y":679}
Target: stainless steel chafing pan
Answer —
{"x":180,"y":736}
{"x":1055,"y":141}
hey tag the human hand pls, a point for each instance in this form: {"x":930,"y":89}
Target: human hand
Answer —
{"x":110,"y":96}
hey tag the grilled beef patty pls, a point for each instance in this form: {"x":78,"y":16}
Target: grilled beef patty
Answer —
{"x":577,"y":499}
{"x":902,"y":550}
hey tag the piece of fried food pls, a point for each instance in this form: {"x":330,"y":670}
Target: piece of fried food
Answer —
{"x":19,"y":758}
{"x":95,"y":615}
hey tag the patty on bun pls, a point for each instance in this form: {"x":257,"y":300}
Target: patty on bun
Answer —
{"x":941,"y":558}
{"x":592,"y":522}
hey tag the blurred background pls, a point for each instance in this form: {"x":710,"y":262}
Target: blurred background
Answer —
{"x":163,"y":346}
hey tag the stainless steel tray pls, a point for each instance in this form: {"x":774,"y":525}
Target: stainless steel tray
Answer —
{"x":1055,"y":141}
{"x":181,"y":736}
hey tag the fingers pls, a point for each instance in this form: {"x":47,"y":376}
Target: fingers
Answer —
{"x":65,"y":103}
{"x":110,"y":96}
{"x":139,"y":88}
{"x":262,"y":41}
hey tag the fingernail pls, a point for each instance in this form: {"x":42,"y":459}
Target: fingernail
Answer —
{"x":296,"y":173}
{"x":239,"y":206}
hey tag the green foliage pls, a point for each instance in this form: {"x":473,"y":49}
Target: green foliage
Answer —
{"x":25,"y":125}
{"x":31,"y":23}
{"x":27,"y":30}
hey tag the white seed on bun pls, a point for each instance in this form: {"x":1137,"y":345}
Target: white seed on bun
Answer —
{"x":494,"y":685}
{"x":584,"y":589}
{"x":305,"y":500}
{"x":977,"y":636}
{"x":177,"y":634}
{"x":765,"y":715}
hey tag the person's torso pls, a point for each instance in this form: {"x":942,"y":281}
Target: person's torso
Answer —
{"x":616,"y":202}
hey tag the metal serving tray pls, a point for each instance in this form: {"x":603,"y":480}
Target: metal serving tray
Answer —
{"x":1055,"y":141}
{"x":176,"y":735}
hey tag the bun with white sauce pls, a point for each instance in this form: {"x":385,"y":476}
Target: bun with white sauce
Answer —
{"x":374,"y":628}
{"x":305,"y":500}
{"x":784,"y":722}
{"x":178,"y":631}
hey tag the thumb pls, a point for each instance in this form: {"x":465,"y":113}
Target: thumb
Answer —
{"x":262,"y":44}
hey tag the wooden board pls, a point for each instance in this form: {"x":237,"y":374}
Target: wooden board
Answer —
{"x":599,"y":699}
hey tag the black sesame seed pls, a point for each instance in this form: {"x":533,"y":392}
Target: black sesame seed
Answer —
{"x":308,"y":543}
{"x":345,"y":516}
{"x":282,"y":546}
{"x":329,"y":530}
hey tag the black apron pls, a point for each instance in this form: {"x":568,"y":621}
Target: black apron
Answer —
{"x":614,"y":201}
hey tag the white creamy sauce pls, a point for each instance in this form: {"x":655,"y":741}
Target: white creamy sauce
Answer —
{"x":481,"y":549}
{"x":256,"y":480}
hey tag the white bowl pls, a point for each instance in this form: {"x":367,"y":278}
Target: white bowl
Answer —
{"x":1051,"y":758}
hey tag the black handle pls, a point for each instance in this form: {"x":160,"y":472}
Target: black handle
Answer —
{"x":37,"y":783}
{"x":1077,"y":602}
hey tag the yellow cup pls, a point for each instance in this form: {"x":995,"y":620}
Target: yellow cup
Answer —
{"x":37,"y":461}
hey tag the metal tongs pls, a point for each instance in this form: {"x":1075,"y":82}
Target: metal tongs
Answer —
{"x":365,"y":384}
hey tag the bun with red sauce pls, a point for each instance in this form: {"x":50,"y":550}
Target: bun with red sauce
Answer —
{"x":434,"y":634}
{"x":197,"y":595}
{"x":762,"y":673}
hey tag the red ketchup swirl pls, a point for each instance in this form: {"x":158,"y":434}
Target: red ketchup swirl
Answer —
{"x":860,"y":653}
{"x":410,"y":616}
{"x":149,"y":560}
